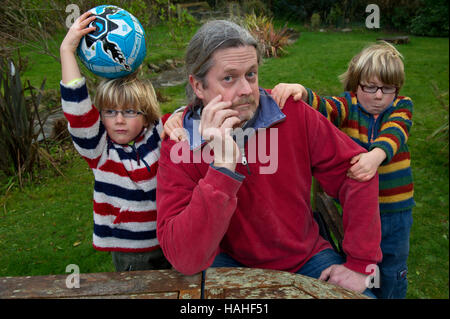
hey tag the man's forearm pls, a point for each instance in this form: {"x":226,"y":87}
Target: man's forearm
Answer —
{"x":362,"y":225}
{"x":192,"y":222}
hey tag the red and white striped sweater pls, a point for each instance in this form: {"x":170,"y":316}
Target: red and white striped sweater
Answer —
{"x":125,"y":176}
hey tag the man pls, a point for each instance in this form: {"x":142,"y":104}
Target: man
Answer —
{"x":225,"y":205}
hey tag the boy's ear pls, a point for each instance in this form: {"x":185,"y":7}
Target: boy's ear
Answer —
{"x":197,"y":87}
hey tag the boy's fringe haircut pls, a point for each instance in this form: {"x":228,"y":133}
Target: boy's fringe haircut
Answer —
{"x":381,"y":60}
{"x":129,"y":92}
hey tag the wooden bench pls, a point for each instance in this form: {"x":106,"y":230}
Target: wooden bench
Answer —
{"x":214,"y":283}
{"x":327,"y":213}
{"x":396,"y":40}
{"x":193,"y":8}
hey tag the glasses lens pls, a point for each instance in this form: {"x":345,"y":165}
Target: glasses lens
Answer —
{"x":374,"y":89}
{"x":369,"y":89}
{"x":389,"y":89}
{"x":130,"y":113}
{"x":109,"y":113}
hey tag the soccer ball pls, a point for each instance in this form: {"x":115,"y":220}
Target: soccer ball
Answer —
{"x":117,"y":47}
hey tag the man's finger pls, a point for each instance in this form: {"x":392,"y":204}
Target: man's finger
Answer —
{"x":298,"y":96}
{"x":209,"y":111}
{"x":326,"y":273}
{"x":178,"y":134}
{"x":230,"y":122}
{"x":221,"y":115}
{"x":355,"y":159}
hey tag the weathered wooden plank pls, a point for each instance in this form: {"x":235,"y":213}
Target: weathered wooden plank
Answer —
{"x":227,"y":282}
{"x":237,"y":277}
{"x":160,"y":295}
{"x":286,"y":292}
{"x":323,"y":290}
{"x":169,"y":284}
{"x":190,"y":294}
{"x":101,"y":284}
{"x":264,"y":283}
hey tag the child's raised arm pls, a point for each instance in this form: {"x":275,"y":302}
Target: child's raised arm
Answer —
{"x":69,"y":66}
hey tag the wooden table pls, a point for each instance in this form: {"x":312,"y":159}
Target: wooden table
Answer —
{"x":218,"y":283}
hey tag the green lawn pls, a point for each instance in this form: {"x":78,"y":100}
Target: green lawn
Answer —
{"x":48,"y":225}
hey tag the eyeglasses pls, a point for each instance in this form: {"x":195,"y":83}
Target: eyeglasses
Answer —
{"x":374,"y":89}
{"x":129,"y":113}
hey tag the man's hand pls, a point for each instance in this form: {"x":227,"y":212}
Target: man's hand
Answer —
{"x":344,"y":277}
{"x":365,"y":165}
{"x":217,"y":122}
{"x":282,"y":91}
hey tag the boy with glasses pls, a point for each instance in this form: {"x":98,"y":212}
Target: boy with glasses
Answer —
{"x":375,"y":117}
{"x":120,"y":140}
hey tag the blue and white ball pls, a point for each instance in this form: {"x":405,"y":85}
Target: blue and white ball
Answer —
{"x":117,"y":47}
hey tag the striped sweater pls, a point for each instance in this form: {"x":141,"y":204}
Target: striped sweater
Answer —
{"x":389,"y":132}
{"x":125,"y":176}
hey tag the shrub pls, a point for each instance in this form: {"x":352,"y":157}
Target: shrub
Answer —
{"x":177,"y":24}
{"x":431,"y":19}
{"x":335,"y":16}
{"x":272,"y":41}
{"x":19,"y":117}
{"x":442,"y":131}
{"x":255,"y":6}
{"x":315,"y":20}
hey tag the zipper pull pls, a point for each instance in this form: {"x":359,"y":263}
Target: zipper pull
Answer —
{"x":244,"y":162}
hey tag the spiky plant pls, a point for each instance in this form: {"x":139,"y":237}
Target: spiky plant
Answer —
{"x":271,"y":40}
{"x":18,"y":115}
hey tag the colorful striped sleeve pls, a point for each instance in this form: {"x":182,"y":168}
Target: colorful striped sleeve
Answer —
{"x":394,"y":131}
{"x":334,"y":108}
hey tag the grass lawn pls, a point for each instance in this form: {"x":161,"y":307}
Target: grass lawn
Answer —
{"x":48,"y":225}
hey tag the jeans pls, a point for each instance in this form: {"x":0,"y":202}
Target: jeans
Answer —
{"x":313,"y":267}
{"x":395,"y":230}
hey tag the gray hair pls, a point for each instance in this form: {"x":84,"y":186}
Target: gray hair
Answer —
{"x":212,"y":36}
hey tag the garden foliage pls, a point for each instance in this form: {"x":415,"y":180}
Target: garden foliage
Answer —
{"x":272,"y":41}
{"x":18,"y":118}
{"x":418,"y":17}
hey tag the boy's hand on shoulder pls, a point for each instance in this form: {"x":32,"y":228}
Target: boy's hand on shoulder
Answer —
{"x":76,"y":32}
{"x":365,"y":165}
{"x":282,"y":91}
{"x":173,"y":128}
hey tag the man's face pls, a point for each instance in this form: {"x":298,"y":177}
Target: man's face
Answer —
{"x":234,"y":75}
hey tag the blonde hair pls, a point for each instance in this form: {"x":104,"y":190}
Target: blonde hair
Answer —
{"x":129,"y":92}
{"x":381,"y":60}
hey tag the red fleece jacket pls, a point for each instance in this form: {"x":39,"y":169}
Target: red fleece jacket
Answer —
{"x":265,"y":221}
